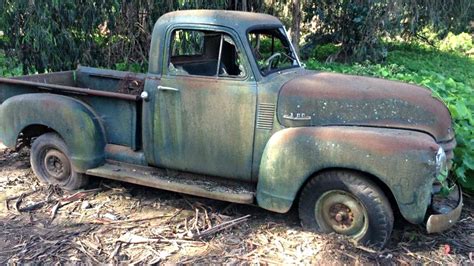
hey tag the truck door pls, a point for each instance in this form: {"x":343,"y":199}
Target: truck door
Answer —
{"x":205,"y":105}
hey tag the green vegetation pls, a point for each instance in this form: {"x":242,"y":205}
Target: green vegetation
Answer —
{"x":323,"y":52}
{"x":447,"y":70}
{"x":8,"y":66}
{"x":358,"y":27}
{"x":59,"y":35}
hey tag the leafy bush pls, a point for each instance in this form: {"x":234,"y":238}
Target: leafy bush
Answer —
{"x":360,"y":25}
{"x":58,"y":35}
{"x":450,"y":77}
{"x":357,"y":26}
{"x":322,"y":52}
{"x":9,"y":67}
{"x":133,"y":67}
{"x":461,"y":43}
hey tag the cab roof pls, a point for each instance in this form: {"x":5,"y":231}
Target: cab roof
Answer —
{"x":236,"y":20}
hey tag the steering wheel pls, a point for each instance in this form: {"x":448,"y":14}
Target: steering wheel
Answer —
{"x":269,"y":62}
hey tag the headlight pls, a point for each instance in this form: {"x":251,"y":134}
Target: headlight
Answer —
{"x":441,"y":164}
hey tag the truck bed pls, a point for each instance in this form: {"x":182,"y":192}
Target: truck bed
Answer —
{"x":113,"y":95}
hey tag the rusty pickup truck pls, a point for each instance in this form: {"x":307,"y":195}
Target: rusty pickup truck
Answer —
{"x":227,"y":111}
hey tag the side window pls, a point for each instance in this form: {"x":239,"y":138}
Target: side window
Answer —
{"x":204,"y":53}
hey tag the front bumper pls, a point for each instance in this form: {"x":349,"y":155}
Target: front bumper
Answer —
{"x":447,"y":211}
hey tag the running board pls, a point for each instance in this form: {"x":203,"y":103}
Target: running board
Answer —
{"x":192,"y":184}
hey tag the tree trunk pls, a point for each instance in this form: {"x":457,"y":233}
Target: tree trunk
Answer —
{"x":244,"y":5}
{"x":295,"y":24}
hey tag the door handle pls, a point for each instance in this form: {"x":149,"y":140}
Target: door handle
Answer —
{"x":164,"y":88}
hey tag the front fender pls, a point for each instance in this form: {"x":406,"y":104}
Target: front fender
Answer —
{"x":73,"y":120}
{"x":403,"y":160}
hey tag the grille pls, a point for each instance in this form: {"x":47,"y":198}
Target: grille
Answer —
{"x":265,"y":114}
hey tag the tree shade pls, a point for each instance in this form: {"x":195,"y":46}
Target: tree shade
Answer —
{"x":57,"y":35}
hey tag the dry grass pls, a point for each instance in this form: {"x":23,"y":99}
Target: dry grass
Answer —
{"x":122,"y":223}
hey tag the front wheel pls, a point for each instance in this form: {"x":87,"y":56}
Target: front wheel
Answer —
{"x":50,"y":162}
{"x":347,"y":203}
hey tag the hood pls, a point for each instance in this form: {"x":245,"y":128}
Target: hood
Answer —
{"x":324,"y":99}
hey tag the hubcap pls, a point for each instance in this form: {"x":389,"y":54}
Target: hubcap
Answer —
{"x":341,"y":212}
{"x":57,"y":165}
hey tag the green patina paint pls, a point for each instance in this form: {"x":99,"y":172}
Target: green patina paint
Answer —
{"x":400,"y":159}
{"x":73,"y":121}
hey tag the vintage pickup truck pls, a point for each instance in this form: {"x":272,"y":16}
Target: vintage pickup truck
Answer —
{"x":226,"y":111}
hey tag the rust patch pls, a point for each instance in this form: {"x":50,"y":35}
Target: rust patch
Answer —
{"x":380,"y":141}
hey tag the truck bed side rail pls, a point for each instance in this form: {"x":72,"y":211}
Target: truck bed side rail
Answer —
{"x":70,"y":89}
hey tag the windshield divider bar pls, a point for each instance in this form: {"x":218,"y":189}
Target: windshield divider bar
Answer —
{"x":292,"y":47}
{"x":220,"y":55}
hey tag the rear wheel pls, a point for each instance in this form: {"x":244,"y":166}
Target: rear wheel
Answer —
{"x":51,"y":163}
{"x":347,"y":203}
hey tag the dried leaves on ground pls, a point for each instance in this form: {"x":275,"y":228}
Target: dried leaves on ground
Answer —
{"x":112,"y":222}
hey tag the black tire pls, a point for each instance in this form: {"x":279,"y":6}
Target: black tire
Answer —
{"x":50,"y":161}
{"x":349,"y":203}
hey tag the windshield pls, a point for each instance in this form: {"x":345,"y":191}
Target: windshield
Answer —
{"x":272,"y":50}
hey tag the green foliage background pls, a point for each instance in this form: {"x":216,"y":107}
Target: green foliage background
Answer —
{"x":53,"y":35}
{"x":359,"y":25}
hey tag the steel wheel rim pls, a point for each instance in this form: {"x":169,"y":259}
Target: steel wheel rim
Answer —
{"x":56,"y":165}
{"x":341,"y":212}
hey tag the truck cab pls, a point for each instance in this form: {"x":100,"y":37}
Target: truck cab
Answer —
{"x":202,"y":91}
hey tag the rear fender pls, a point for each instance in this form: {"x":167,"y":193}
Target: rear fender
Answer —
{"x":72,"y":119}
{"x":403,"y":160}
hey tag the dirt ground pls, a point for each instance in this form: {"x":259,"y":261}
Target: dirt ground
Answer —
{"x":113,"y":222}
